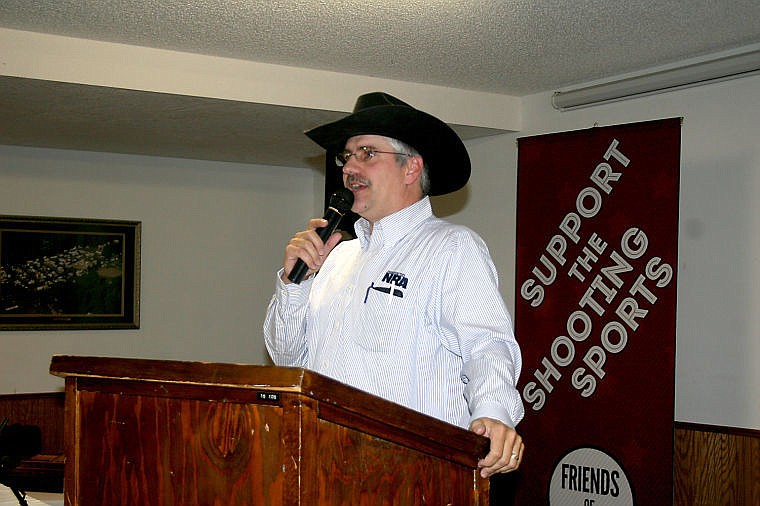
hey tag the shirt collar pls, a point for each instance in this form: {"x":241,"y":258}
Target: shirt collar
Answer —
{"x":391,"y":229}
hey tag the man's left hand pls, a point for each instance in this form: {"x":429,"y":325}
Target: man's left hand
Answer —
{"x":507,"y":447}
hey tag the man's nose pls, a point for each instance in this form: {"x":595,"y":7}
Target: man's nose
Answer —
{"x":349,"y":167}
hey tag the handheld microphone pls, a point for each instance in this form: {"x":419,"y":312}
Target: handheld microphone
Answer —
{"x":340,"y":203}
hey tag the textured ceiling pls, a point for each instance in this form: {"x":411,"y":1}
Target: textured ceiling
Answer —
{"x":512,"y":47}
{"x":515,"y":47}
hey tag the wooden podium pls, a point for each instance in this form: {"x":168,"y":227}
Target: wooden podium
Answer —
{"x":153,"y":432}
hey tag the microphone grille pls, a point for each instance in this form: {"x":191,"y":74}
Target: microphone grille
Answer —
{"x":342,"y":200}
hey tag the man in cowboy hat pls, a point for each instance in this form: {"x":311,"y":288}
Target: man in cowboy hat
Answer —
{"x":410,"y":309}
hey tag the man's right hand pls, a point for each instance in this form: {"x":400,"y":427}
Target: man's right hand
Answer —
{"x":307,"y":246}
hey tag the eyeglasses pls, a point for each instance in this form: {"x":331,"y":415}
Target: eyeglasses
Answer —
{"x":362,"y":154}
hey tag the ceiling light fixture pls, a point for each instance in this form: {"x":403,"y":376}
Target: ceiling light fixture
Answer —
{"x":712,"y":70}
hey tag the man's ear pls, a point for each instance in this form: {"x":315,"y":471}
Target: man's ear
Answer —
{"x":413,"y":169}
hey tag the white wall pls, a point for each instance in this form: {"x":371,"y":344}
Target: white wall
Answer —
{"x":718,"y":314}
{"x":212,"y":236}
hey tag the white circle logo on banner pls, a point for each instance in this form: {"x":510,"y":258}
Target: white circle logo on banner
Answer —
{"x":589,"y":477}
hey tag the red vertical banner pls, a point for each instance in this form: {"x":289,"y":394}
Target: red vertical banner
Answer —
{"x":595,"y":313}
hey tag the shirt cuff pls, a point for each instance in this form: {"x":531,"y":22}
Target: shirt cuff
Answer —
{"x":492,"y":410}
{"x":293,"y":293}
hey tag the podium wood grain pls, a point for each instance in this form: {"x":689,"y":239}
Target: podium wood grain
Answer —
{"x":149,"y":432}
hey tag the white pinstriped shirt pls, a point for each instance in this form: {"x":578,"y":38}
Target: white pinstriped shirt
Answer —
{"x":411,"y":313}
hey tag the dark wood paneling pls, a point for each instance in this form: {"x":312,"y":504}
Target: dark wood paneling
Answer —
{"x":43,"y":410}
{"x":716,"y":466}
{"x":43,"y":472}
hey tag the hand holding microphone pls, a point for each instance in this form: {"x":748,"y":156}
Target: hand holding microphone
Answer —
{"x":340,"y":203}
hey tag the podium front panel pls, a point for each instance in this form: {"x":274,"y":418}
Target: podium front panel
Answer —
{"x":353,"y":468}
{"x":146,"y":441}
{"x":146,"y":450}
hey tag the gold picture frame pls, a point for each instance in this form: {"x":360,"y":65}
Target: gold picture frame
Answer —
{"x":69,"y":273}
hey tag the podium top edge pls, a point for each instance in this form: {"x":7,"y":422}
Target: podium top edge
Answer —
{"x":187,"y":372}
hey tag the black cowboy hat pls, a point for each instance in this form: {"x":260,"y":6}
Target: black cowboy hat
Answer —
{"x":378,"y":113}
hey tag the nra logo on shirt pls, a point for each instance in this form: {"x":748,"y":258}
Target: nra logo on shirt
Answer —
{"x":397,"y":280}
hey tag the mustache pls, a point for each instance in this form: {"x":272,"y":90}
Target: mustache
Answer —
{"x":352,"y":179}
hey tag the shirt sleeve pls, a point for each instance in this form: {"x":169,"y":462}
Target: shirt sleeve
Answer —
{"x":476,"y":323}
{"x":285,"y":323}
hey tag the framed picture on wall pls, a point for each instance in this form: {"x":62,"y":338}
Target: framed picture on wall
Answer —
{"x":69,"y":273}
